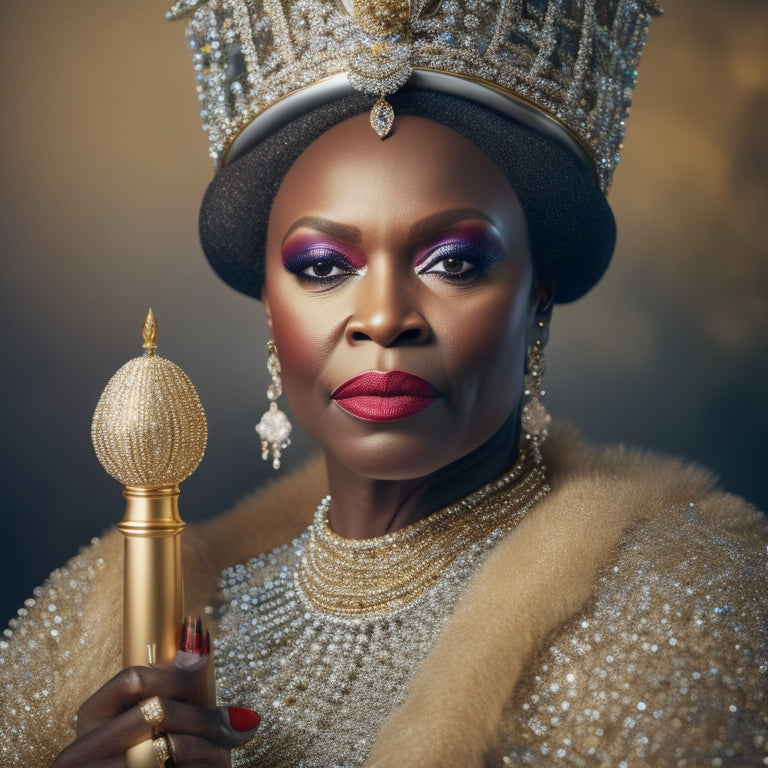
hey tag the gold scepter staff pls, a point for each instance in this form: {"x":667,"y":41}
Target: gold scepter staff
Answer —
{"x":149,"y":432}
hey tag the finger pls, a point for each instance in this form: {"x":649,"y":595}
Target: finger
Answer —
{"x":227,"y":727}
{"x":134,"y":684}
{"x":190,"y":751}
{"x":115,"y":762}
{"x":106,"y":742}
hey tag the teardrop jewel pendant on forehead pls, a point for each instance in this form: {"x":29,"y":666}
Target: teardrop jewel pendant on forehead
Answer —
{"x":382,"y":117}
{"x":388,"y":24}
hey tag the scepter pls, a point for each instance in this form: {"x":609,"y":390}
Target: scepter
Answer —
{"x":149,"y":432}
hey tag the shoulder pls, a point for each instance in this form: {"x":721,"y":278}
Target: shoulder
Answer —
{"x":669,"y":654}
{"x":61,"y":646}
{"x":266,"y":519}
{"x":691,"y":559}
{"x":648,"y":491}
{"x":706,"y":551}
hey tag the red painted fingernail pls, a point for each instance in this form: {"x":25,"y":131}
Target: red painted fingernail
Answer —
{"x":242,"y":719}
{"x":193,"y":639}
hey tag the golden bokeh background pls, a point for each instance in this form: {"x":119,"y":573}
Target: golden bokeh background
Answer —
{"x":103,"y":165}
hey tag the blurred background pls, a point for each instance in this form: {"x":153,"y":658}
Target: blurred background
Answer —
{"x":103,"y":165}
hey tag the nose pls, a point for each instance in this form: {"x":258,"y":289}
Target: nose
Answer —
{"x":387,"y":313}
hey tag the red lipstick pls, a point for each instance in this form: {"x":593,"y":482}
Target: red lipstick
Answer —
{"x":390,"y":396}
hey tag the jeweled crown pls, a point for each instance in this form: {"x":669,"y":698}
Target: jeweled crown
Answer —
{"x":574,"y":60}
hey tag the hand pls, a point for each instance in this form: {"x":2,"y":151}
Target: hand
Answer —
{"x":111,"y":720}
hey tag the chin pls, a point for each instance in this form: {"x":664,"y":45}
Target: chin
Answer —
{"x":396,"y":454}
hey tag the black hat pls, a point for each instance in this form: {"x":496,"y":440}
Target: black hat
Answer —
{"x":571,"y":228}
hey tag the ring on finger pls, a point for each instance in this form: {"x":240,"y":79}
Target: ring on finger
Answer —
{"x":171,"y":748}
{"x":152,"y":710}
{"x":162,"y":749}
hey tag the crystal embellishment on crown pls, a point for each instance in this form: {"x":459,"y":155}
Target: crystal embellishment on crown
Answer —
{"x":573,"y":60}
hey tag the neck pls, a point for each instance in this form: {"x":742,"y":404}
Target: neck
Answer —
{"x":363,"y":507}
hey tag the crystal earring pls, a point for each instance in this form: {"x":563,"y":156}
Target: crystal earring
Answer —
{"x":535,"y":419}
{"x":274,"y":428}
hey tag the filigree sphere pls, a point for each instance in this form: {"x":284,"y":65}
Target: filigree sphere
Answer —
{"x":149,"y":429}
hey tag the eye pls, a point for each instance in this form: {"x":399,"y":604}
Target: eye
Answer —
{"x":319,"y":266}
{"x":323,"y":268}
{"x":456,"y":261}
{"x":448,"y":265}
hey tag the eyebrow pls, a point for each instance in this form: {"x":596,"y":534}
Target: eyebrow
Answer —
{"x":333,"y":228}
{"x":444,"y":219}
{"x":421,"y":229}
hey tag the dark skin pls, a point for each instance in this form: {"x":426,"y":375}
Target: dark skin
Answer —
{"x":392,"y":220}
{"x":110,"y":721}
{"x":409,"y":254}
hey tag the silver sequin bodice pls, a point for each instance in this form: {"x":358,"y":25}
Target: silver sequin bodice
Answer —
{"x":323,"y":682}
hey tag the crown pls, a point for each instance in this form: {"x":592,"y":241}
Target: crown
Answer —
{"x":568,"y":64}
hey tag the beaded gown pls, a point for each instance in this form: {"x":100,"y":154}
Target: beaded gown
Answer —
{"x":617,"y":619}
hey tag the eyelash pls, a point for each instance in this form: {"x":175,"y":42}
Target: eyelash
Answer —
{"x":477,"y":260}
{"x":474,"y":259}
{"x":300,"y":263}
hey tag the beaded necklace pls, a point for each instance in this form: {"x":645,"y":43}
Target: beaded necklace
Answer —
{"x":322,"y":636}
{"x":368,"y":576}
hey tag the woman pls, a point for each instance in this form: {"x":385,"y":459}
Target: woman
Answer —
{"x":414,"y":271}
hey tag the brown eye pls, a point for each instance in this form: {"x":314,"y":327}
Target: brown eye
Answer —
{"x":321,"y":268}
{"x":453,"y":266}
{"x":458,"y":261}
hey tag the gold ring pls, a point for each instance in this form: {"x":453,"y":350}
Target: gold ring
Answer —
{"x":152,"y":710}
{"x":161,"y":749}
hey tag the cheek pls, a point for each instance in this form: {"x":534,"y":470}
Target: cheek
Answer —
{"x":299,"y":341}
{"x":487,"y":338}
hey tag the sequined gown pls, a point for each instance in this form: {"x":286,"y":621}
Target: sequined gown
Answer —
{"x":654,"y":672}
{"x":323,"y":636}
{"x":661,"y":661}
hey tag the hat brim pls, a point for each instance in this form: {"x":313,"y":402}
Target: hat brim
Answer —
{"x":571,"y":228}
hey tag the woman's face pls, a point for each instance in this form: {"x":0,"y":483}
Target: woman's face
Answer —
{"x":399,"y":293}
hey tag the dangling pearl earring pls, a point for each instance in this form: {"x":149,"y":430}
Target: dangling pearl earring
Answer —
{"x":535,"y":418}
{"x":274,"y":428}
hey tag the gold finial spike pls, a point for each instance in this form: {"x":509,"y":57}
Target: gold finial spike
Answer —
{"x":149,"y":332}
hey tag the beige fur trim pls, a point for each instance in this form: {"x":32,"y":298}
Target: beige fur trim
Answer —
{"x":532,"y":582}
{"x":262,"y":521}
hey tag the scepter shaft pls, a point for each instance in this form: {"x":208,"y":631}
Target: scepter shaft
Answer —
{"x":152,"y":590}
{"x":152,"y":586}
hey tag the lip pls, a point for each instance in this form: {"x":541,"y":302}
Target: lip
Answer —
{"x":386,"y":396}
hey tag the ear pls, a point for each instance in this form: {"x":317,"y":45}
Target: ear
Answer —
{"x":267,"y":310}
{"x":542,"y":301}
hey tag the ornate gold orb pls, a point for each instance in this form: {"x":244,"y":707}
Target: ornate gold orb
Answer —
{"x":149,"y":429}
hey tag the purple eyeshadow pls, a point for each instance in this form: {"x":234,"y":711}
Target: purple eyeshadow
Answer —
{"x":472,"y":243}
{"x":302,"y":252}
{"x":300,"y":261}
